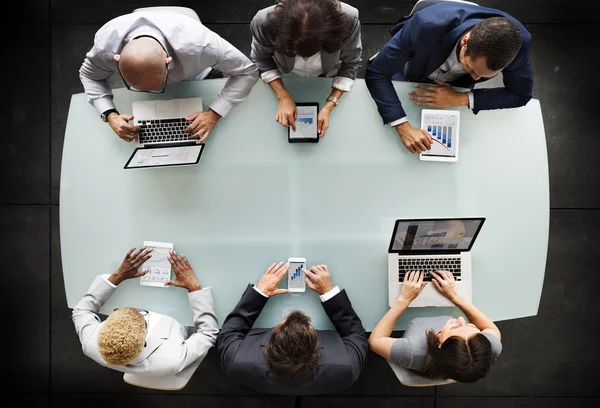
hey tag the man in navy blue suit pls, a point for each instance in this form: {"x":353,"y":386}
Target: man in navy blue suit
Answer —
{"x":451,"y":44}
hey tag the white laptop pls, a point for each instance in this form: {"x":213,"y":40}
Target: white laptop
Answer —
{"x":162,"y":141}
{"x":427,"y":245}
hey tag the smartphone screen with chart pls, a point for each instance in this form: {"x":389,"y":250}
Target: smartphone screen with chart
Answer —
{"x":158,"y":267}
{"x":443,"y":128}
{"x":306,"y":123}
{"x":296,"y":276}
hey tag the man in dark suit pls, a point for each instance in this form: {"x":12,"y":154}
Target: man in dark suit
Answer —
{"x":293,"y":358}
{"x":451,"y":44}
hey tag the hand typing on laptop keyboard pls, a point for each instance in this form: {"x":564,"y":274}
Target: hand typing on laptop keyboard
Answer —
{"x":163,"y":130}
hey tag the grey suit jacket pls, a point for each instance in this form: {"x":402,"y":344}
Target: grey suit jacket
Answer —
{"x":342,"y":352}
{"x":168,"y":348}
{"x":345,"y":61}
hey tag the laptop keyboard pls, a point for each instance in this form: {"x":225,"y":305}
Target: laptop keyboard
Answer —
{"x":163,"y":130}
{"x":427,"y":265}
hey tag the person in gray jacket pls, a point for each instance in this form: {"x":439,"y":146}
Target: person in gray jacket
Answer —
{"x":307,"y":38}
{"x":439,"y":347}
{"x":140,"y":342}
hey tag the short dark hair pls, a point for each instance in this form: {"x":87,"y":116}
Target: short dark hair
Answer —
{"x":497,"y":39}
{"x":292,"y":351}
{"x":305,"y":27}
{"x":462,"y":360}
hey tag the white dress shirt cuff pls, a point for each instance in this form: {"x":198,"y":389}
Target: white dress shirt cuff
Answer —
{"x":471,"y":100}
{"x":103,"y":104}
{"x":259,"y":291}
{"x":399,"y":121}
{"x":221,"y":106}
{"x":326,"y":296}
{"x":342,"y":83}
{"x":105,"y":277}
{"x":270,"y":76}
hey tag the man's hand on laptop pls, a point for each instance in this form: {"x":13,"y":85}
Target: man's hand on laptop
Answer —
{"x":202,"y":124}
{"x":412,"y":285}
{"x":120,"y":125}
{"x":415,"y":140}
{"x":445,"y":284}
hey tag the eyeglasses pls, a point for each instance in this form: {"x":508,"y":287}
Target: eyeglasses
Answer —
{"x":158,"y":90}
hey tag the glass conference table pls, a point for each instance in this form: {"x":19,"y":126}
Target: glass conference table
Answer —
{"x":255,"y":199}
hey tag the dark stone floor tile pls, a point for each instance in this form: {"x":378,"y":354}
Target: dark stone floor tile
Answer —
{"x":25,"y":137}
{"x":378,"y":379}
{"x":210,"y":12}
{"x":553,"y":354}
{"x":371,"y":11}
{"x":379,"y":402}
{"x":24,"y":249}
{"x":531,"y":11}
{"x":561,"y":83}
{"x":517,"y":402}
{"x":173,"y":400}
{"x":30,"y":11}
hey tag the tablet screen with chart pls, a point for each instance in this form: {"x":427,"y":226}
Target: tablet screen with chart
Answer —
{"x":306,"y":124}
{"x":158,"y":267}
{"x":443,"y":127}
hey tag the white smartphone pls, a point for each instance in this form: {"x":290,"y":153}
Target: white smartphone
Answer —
{"x":158,"y":266}
{"x":295,"y":275}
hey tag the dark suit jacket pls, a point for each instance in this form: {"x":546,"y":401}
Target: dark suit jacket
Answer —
{"x":420,"y":45}
{"x":342,"y":353}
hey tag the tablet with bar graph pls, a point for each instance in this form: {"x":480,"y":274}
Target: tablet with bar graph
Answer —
{"x":295,"y":275}
{"x":443,"y":126}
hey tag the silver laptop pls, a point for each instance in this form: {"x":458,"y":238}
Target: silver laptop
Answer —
{"x":162,"y":141}
{"x":163,"y":121}
{"x":427,"y":245}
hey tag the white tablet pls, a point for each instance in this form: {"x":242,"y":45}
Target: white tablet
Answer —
{"x":158,"y":266}
{"x":165,"y":156}
{"x":443,"y":126}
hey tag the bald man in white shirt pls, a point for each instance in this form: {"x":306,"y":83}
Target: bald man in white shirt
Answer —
{"x":151,"y":50}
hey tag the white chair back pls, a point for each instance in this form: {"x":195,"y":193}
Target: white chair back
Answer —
{"x":411,"y":379}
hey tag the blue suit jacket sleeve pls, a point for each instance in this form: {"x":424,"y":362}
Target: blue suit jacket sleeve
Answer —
{"x":389,"y":62}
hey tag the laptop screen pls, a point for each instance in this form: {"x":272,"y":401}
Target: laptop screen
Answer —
{"x":435,"y":235}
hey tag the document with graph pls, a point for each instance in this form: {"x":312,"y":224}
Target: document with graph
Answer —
{"x":158,"y":267}
{"x":306,"y":124}
{"x":443,"y":126}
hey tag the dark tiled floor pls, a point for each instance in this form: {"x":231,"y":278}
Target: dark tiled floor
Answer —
{"x":549,"y":360}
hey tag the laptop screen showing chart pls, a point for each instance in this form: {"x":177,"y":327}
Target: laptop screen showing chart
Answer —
{"x":440,"y":235}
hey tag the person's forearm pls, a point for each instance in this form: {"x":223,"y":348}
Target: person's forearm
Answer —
{"x":279,"y":89}
{"x":386,"y":325}
{"x":474,"y":315}
{"x":336,"y":93}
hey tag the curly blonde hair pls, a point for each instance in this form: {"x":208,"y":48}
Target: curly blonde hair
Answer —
{"x":122,"y":337}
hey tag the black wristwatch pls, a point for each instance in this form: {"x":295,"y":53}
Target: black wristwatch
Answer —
{"x":105,"y":114}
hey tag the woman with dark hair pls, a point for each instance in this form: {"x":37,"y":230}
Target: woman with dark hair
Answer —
{"x":439,"y":347}
{"x":307,"y":38}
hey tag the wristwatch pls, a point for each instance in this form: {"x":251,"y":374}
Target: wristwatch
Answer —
{"x":334,"y":100}
{"x":105,"y":114}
